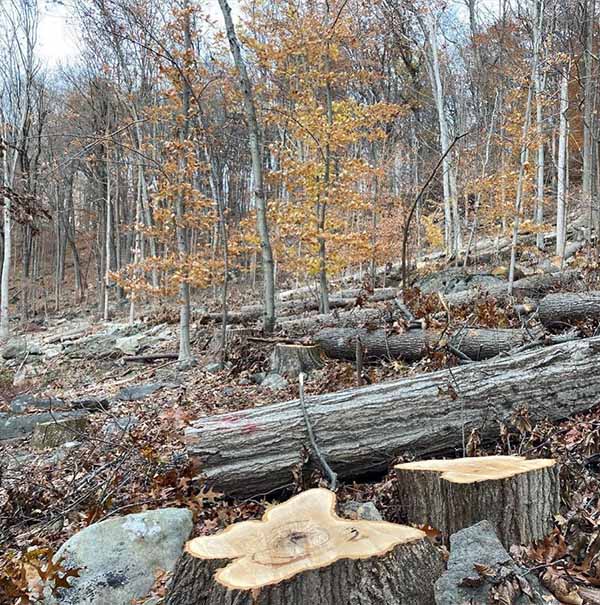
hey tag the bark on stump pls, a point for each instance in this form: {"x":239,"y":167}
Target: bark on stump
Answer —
{"x":290,"y":360}
{"x":518,"y":497}
{"x":557,"y":309}
{"x":302,"y":553}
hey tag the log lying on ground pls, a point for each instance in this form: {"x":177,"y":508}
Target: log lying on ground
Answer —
{"x":518,"y":497}
{"x":360,"y":430}
{"x":301,"y":326}
{"x":345,"y":300}
{"x":534,"y":286}
{"x":290,"y":360}
{"x":557,"y":309}
{"x":302,"y":553}
{"x":295,"y":307}
{"x":476,"y":344}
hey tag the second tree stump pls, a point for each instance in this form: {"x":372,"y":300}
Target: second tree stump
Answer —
{"x":519,"y":497}
{"x":302,"y":553}
{"x":290,"y":360}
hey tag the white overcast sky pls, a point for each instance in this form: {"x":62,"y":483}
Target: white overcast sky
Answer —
{"x":57,"y":36}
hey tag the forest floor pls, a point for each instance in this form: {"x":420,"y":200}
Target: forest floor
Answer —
{"x":131,"y":456}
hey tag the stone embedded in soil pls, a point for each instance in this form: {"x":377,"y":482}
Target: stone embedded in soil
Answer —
{"x":461,"y":583}
{"x":118,"y":558}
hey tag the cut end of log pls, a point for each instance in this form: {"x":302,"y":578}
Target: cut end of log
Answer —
{"x":474,"y":470}
{"x":301,"y":534}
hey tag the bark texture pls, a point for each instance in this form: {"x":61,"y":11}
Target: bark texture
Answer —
{"x":404,"y":576}
{"x":534,"y":286}
{"x":300,"y":326}
{"x":556,"y":309}
{"x":521,"y":508}
{"x":257,"y":450}
{"x":291,"y":360}
{"x":340,"y":343}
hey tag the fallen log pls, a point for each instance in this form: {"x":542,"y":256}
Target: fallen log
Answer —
{"x":345,"y":299}
{"x":534,"y":286}
{"x":476,"y":344}
{"x":302,"y":553}
{"x":150,"y":358}
{"x":566,"y":308}
{"x":361,"y":430}
{"x":301,"y":326}
{"x":518,"y":497}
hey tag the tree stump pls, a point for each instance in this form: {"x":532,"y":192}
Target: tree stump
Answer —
{"x":59,"y":431}
{"x":302,"y":553}
{"x":292,"y":360}
{"x":519,"y":497}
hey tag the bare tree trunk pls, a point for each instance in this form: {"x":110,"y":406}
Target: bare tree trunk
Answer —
{"x":257,"y":169}
{"x":538,"y":83}
{"x":519,"y":196}
{"x":185,"y":349}
{"x":452,"y":234}
{"x":561,"y":189}
{"x":588,"y":117}
{"x":6,"y":258}
{"x":108,"y":235}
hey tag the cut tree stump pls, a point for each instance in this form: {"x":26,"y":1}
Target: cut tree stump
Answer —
{"x":290,"y":360}
{"x":563,"y":309}
{"x":302,"y":553}
{"x":518,"y":497}
{"x":59,"y":431}
{"x":361,"y":430}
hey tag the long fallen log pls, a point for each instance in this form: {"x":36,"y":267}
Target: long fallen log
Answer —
{"x":476,"y":344}
{"x":534,"y":286}
{"x":345,"y":299}
{"x":361,"y":430}
{"x":301,"y":326}
{"x":565,"y":308}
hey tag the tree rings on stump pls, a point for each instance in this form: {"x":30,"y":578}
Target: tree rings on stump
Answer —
{"x":518,"y":496}
{"x":301,"y":552}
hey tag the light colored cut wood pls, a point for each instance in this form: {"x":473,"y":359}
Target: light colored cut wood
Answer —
{"x":474,"y":470}
{"x":302,"y":552}
{"x":518,"y":496}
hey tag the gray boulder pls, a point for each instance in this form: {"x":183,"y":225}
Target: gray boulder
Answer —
{"x":17,"y":348}
{"x":461,"y":583}
{"x":17,"y":427}
{"x":22,"y":403}
{"x":118,"y":558}
{"x":141,"y":391}
{"x":275,"y":382}
{"x":366,"y":511}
